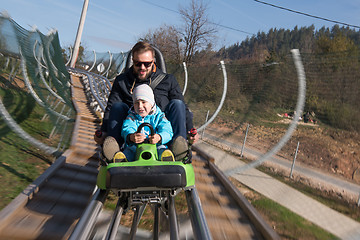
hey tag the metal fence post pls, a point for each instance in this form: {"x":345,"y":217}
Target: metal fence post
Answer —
{"x":203,"y":131}
{"x":243,"y":146}
{"x":293,"y":164}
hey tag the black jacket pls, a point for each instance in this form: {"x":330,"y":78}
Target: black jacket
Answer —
{"x":168,"y":89}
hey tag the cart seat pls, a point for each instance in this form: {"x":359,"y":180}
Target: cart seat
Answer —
{"x":132,"y":177}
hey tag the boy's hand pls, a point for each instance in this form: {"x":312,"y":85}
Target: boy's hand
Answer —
{"x":154,"y":139}
{"x":137,"y":137}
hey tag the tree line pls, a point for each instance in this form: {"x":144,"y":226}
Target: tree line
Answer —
{"x":262,"y":77}
{"x":306,"y":39}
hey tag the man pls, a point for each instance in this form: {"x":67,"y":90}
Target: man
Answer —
{"x":168,"y":97}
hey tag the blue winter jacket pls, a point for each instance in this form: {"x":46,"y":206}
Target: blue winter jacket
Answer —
{"x":157,"y":119}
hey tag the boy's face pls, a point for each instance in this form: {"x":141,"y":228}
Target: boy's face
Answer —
{"x":142,"y":107}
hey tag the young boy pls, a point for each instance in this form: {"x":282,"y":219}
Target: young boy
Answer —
{"x":144,"y":110}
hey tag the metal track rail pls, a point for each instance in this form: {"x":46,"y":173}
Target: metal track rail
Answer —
{"x":85,"y":227}
{"x":229,"y":215}
{"x":50,"y":207}
{"x":217,"y":210}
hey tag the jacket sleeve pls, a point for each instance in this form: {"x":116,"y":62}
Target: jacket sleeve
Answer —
{"x":113,"y":97}
{"x":129,"y":127}
{"x":164,"y":129}
{"x":189,"y":119}
{"x":176,"y":93}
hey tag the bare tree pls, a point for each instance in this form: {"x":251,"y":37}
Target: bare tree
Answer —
{"x":198,"y":31}
{"x":166,"y":38}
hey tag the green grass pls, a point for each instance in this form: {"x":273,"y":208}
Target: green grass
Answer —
{"x":20,"y":162}
{"x":20,"y":165}
{"x":332,"y":201}
{"x":288,"y":224}
{"x":336,"y":203}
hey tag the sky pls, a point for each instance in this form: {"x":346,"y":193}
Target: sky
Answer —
{"x":115,"y":25}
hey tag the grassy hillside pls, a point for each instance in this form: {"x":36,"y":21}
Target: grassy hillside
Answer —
{"x":20,"y":162}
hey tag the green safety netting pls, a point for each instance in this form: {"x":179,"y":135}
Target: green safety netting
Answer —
{"x":33,"y":62}
{"x":106,"y":64}
{"x":41,"y":55}
{"x":41,"y":63}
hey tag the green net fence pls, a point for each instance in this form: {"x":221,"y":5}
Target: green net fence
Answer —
{"x":32,"y":63}
{"x":261,"y":102}
{"x":106,"y":64}
{"x":37,"y":65}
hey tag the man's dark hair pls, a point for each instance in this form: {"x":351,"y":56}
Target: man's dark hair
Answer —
{"x":142,"y":47}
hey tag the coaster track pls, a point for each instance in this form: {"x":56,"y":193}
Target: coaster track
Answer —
{"x":53,"y":204}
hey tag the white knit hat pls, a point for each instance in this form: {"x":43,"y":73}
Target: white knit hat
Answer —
{"x":143,"y":92}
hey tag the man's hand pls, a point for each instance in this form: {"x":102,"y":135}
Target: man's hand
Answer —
{"x":154,"y":139}
{"x":137,"y":137}
{"x":193,"y":136}
{"x":99,"y":137}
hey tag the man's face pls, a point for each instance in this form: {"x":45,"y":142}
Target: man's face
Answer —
{"x":143,"y":64}
{"x":142,"y":107}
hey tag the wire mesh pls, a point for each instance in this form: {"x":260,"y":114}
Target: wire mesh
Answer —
{"x":34,"y":64}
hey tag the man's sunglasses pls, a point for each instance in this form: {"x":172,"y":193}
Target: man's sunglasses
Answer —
{"x":146,"y":64}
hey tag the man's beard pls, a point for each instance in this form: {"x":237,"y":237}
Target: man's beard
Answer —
{"x":146,"y":76}
{"x":138,"y":75}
